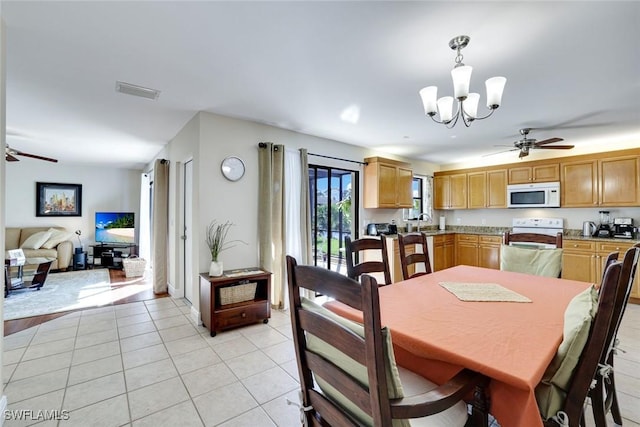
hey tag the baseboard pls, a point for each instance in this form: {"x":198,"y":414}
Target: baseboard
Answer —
{"x":3,"y":407}
{"x":195,"y":316}
{"x":172,"y":290}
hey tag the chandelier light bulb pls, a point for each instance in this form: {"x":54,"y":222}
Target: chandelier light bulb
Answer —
{"x":461,"y":79}
{"x":467,"y":107}
{"x":495,"y":87}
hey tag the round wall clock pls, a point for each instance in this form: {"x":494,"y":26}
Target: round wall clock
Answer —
{"x":232,"y":168}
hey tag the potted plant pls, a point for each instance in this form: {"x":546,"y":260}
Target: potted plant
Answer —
{"x":216,"y":239}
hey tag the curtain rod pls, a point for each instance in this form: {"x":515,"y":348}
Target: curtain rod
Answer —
{"x":337,"y":158}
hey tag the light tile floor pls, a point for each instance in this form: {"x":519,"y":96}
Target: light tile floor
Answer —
{"x":146,"y":364}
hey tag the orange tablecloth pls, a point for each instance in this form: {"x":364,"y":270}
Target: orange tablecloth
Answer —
{"x":435,"y":334}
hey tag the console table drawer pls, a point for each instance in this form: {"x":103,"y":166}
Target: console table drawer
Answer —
{"x":226,"y":318}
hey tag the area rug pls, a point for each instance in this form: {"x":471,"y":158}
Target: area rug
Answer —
{"x":61,"y":292}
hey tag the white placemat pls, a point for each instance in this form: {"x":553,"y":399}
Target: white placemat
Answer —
{"x":466,"y":291}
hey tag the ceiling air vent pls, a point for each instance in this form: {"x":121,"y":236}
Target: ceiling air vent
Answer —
{"x":135,"y":90}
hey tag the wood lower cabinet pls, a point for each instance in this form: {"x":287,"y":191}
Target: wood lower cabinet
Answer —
{"x":583,"y":260}
{"x":489,"y":251}
{"x":467,"y":249}
{"x":215,"y":291}
{"x":579,"y":260}
{"x":478,"y":250}
{"x":443,"y":251}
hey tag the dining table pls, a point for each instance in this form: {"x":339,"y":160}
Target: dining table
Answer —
{"x":507,"y":326}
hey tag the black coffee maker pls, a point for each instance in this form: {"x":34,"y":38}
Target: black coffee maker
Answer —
{"x":604,"y":228}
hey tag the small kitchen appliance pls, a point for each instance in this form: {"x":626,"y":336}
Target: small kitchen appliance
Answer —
{"x":623,"y":228}
{"x":604,"y":228}
{"x":534,"y":195}
{"x":377,"y":229}
{"x":588,"y":228}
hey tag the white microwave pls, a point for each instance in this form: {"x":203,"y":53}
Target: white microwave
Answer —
{"x":536,"y":195}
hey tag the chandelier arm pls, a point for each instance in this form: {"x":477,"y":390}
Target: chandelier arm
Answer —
{"x":491,"y":110}
{"x":436,"y":120}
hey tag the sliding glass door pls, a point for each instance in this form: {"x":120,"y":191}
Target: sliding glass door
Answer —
{"x":334,"y":214}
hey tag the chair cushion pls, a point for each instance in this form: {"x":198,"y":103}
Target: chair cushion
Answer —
{"x":36,"y":240}
{"x":57,"y":237}
{"x":551,"y":392}
{"x":539,"y":262}
{"x":454,"y":416}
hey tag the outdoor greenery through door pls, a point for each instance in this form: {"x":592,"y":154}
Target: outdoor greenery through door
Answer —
{"x":334,"y":214}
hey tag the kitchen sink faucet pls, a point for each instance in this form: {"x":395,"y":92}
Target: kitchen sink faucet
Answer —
{"x":429,"y":219}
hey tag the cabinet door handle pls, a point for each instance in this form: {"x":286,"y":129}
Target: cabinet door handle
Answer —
{"x":243,"y":315}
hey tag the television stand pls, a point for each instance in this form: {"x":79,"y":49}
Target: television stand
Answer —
{"x":110,"y":254}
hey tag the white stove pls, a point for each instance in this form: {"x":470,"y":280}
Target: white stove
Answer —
{"x":548,"y":226}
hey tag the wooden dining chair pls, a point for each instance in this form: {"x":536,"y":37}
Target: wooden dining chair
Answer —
{"x":355,"y":251}
{"x":610,"y":301}
{"x":408,"y":243}
{"x":348,"y":375}
{"x":603,"y":395}
{"x":556,"y":240}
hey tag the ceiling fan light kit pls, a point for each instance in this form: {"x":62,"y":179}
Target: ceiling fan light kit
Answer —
{"x":467,"y":107}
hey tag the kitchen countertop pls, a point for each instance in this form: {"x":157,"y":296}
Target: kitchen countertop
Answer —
{"x":498,"y":231}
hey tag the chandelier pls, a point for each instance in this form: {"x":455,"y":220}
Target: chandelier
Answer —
{"x":467,"y":107}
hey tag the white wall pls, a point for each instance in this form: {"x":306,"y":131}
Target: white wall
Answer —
{"x":222,"y":200}
{"x":103,"y":189}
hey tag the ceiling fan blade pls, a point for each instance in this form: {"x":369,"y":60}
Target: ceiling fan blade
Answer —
{"x":557,"y":147}
{"x":9,"y":158}
{"x":34,"y":156}
{"x":548,"y":141}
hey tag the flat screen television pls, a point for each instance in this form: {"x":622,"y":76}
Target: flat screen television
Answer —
{"x":115,"y":227}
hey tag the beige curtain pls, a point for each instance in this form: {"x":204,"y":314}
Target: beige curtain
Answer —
{"x":305,"y":210}
{"x":160,"y":226}
{"x":271,"y":217}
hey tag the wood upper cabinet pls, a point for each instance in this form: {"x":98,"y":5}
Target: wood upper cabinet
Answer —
{"x":443,"y":251}
{"x":613,"y":181}
{"x":619,"y":183}
{"x":579,"y":184}
{"x":450,"y":191}
{"x":387,"y":183}
{"x":487,"y":189}
{"x":539,"y":173}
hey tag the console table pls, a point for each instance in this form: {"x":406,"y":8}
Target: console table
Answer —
{"x":218,"y":308}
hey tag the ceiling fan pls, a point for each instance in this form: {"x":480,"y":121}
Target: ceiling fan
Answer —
{"x":11,"y":153}
{"x":525,"y":144}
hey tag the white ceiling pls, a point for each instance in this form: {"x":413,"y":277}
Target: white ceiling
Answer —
{"x":573,"y":67}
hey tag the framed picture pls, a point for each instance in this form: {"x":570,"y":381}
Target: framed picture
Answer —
{"x":53,"y":199}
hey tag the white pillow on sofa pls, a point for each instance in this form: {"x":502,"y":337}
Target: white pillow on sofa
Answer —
{"x":36,"y":240}
{"x":57,"y":237}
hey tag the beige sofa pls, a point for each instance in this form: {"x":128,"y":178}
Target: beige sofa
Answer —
{"x":61,"y":255}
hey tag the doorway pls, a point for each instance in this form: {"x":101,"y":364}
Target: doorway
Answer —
{"x":334,"y":214}
{"x":187,"y":226}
